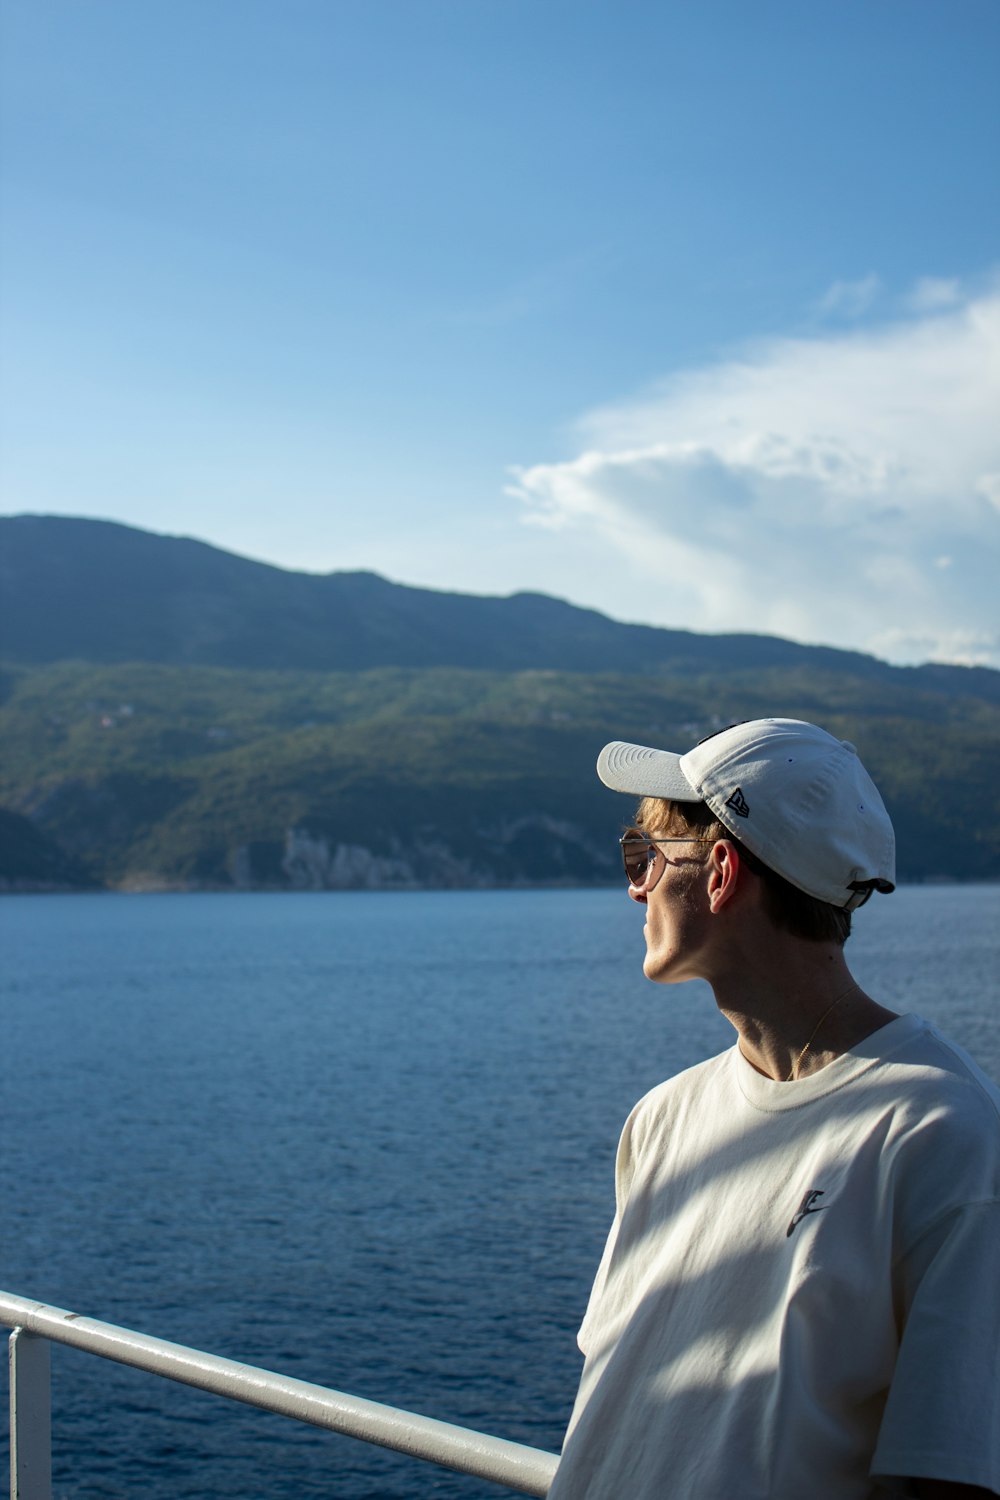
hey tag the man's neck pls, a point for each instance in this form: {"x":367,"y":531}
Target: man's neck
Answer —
{"x":796,"y":1007}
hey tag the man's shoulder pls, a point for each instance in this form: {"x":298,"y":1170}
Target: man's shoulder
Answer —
{"x":685,"y":1107}
{"x":684,"y":1090}
{"x":941,"y":1077}
{"x":937,"y":1116}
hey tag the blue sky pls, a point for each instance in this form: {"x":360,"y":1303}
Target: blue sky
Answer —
{"x":688,"y":312}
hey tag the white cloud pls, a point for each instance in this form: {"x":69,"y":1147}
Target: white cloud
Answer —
{"x":811,"y":487}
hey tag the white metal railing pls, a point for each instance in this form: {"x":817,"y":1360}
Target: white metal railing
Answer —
{"x":527,"y":1470}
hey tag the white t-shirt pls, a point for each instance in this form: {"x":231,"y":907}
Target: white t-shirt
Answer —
{"x":800,"y":1295}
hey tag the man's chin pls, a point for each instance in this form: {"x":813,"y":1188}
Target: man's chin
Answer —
{"x":664,"y":970}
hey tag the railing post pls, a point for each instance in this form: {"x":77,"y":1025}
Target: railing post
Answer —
{"x":30,"y":1417}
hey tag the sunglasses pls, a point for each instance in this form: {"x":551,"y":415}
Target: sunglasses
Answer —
{"x":639,"y":854}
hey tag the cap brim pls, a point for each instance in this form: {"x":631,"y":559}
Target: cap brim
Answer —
{"x":644,"y":772}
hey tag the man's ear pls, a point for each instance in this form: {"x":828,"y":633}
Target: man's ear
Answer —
{"x":724,"y":871}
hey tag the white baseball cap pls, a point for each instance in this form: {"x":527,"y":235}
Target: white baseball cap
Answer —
{"x":795,"y":796}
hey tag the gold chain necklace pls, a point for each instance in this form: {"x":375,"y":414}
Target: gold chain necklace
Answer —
{"x":830,"y":1008}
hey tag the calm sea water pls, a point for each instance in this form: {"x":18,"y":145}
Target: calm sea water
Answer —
{"x":366,"y":1140}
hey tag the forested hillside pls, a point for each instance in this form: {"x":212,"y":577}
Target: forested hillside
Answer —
{"x":155,"y":776}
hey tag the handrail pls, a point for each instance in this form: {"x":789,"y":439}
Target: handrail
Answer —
{"x":528,"y":1470}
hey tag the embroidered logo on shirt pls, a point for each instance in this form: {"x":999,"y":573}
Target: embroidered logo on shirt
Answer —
{"x":807,"y":1206}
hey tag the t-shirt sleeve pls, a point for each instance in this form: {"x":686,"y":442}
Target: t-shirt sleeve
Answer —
{"x":942,"y":1415}
{"x":624,"y":1166}
{"x":591,"y":1318}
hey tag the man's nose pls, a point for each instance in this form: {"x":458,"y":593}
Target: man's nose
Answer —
{"x":636,"y":894}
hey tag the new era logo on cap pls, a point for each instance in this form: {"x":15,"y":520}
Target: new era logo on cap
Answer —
{"x":739,"y":804}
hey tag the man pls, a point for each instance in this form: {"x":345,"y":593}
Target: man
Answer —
{"x":800,"y":1295}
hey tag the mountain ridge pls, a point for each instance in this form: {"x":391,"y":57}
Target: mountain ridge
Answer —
{"x":171,"y":720}
{"x":74,"y":588}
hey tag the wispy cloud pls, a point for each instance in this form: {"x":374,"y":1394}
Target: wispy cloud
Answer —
{"x":934,"y":292}
{"x":534,"y":294}
{"x":850,"y":299}
{"x":810,"y":487}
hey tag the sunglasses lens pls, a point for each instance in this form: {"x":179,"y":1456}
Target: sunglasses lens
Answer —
{"x":637,"y":854}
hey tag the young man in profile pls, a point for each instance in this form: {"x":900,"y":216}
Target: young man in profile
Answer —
{"x":800,"y":1294}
